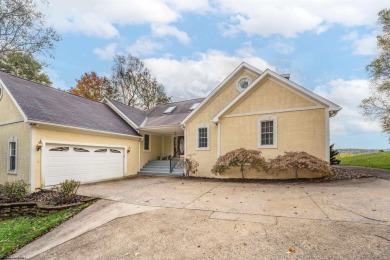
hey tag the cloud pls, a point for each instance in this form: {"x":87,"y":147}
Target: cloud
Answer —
{"x":348,"y":94}
{"x":144,"y":46}
{"x":191,"y":78}
{"x":289,"y":18}
{"x":365,"y":45}
{"x":106,"y":53}
{"x":168,"y":30}
{"x":282,"y":47}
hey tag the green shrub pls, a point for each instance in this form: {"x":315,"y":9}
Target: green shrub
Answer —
{"x":300,"y":160}
{"x":239,"y":158}
{"x":333,"y":156}
{"x":67,"y":191}
{"x":14,"y":190}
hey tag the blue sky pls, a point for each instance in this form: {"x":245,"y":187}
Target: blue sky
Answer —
{"x":191,"y":46}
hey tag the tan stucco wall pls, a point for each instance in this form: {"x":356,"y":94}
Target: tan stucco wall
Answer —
{"x":297,"y":130}
{"x":168,"y":145}
{"x":204,"y":116}
{"x":269,"y":95}
{"x":155,"y":149}
{"x":8,"y":114}
{"x":59,"y":135}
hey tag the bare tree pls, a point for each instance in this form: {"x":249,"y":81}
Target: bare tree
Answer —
{"x":134,"y":84}
{"x":23,"y":28}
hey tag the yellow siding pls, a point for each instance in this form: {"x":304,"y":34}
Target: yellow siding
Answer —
{"x":22,"y":132}
{"x":302,"y":130}
{"x":155,"y":149}
{"x":226,"y":95}
{"x":268,"y":96}
{"x":61,"y":135}
{"x":168,"y":145}
{"x":297,"y":131}
{"x":11,"y":125}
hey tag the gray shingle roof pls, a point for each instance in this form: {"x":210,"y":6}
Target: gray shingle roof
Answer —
{"x":46,"y":104}
{"x":134,"y":114}
{"x":156,"y":116}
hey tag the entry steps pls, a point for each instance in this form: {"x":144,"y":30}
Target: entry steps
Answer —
{"x":160,"y":168}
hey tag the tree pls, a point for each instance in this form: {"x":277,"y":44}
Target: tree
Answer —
{"x":23,"y":65}
{"x":94,"y":87}
{"x":333,"y":153}
{"x":135,"y":85}
{"x":299,"y":160}
{"x":23,"y":28}
{"x":377,"y":106}
{"x":239,"y":158}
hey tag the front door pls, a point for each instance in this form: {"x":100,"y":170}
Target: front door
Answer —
{"x":180,"y":145}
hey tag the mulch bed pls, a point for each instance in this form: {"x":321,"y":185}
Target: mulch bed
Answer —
{"x":47,"y":197}
{"x":337,"y":174}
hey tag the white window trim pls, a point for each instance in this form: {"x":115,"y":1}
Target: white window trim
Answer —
{"x":150,"y":143}
{"x":12,"y":139}
{"x":267,"y":118}
{"x":208,"y":137}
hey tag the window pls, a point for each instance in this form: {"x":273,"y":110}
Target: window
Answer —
{"x":169,"y":110}
{"x":114,"y":151}
{"x":80,"y":150}
{"x":243,"y":83}
{"x":267,"y":132}
{"x":146,"y":142}
{"x":202,"y":138}
{"x":59,"y":149}
{"x":12,"y":154}
{"x":101,"y":151}
{"x":194,"y":106}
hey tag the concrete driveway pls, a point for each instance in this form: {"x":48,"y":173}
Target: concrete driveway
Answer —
{"x":174,"y":218}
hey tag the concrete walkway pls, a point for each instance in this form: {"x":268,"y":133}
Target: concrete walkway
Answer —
{"x":175,"y":218}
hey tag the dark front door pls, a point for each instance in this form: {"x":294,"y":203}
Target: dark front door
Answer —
{"x":180,"y":145}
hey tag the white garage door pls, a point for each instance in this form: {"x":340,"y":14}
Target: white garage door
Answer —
{"x":81,"y":163}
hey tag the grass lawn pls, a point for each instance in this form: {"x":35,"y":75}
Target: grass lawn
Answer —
{"x":17,"y":232}
{"x":373,"y":160}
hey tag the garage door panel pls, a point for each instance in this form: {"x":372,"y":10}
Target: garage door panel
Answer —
{"x":82,"y":163}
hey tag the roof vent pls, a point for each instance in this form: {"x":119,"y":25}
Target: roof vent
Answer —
{"x":286,"y":76}
{"x":169,"y":110}
{"x":194,"y":106}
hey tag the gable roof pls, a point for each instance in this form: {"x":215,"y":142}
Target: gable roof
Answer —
{"x":219,"y":87}
{"x":133,"y":116}
{"x":40,"y":103}
{"x":293,"y":86}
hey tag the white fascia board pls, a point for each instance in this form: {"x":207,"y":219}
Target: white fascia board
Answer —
{"x":13,"y":100}
{"x":307,"y":93}
{"x":123,"y":116}
{"x":82,"y":129}
{"x":219,"y":87}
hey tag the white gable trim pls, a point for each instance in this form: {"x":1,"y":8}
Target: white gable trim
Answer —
{"x":291,"y":85}
{"x":219,"y":87}
{"x":123,"y":116}
{"x":13,"y":100}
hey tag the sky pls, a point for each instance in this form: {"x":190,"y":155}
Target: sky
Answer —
{"x":191,"y":46}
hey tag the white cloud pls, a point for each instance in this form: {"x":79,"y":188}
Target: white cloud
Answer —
{"x":191,"y":78}
{"x":348,"y":94}
{"x":365,"y":45}
{"x":282,"y":47}
{"x":289,"y":18}
{"x":144,"y":46}
{"x":106,"y":53}
{"x":168,"y":30}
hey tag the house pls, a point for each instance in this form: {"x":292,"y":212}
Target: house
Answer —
{"x":48,"y":135}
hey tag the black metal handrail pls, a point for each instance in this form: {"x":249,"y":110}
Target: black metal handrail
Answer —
{"x":173,"y":161}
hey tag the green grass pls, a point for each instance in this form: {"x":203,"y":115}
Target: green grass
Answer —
{"x":373,"y":160}
{"x":17,"y":232}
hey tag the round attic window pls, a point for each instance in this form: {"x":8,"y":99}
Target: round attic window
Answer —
{"x":243,"y":83}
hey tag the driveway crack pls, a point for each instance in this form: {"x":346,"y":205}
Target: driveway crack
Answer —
{"x":202,"y":195}
{"x":307,"y":193}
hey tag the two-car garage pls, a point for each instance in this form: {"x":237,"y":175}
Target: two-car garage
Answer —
{"x":82,"y":163}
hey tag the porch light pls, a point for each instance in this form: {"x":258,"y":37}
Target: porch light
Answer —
{"x":129,"y":149}
{"x":39,"y":145}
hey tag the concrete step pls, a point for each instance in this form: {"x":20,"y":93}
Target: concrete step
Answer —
{"x":153,"y":173}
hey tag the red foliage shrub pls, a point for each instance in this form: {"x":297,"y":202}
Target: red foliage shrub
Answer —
{"x":240,"y":157}
{"x":300,"y":160}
